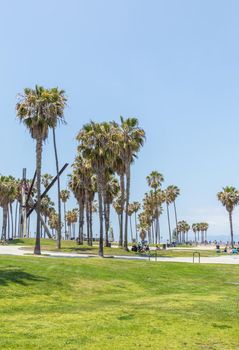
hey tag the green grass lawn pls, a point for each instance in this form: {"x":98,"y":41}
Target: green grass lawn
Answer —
{"x":71,"y":246}
{"x":55,"y":303}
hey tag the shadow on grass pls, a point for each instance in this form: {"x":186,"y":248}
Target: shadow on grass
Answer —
{"x":79,"y":249}
{"x":16,"y":241}
{"x":18,"y":276}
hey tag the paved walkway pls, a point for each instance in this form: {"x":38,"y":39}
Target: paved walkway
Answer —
{"x":21,"y":251}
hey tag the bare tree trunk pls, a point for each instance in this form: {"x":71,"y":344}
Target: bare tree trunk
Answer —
{"x":176,"y":217}
{"x":136,"y":229}
{"x":231,"y":229}
{"x":127,"y":206}
{"x":16,"y":213}
{"x":169,"y":226}
{"x":58,"y":192}
{"x":4,"y":223}
{"x":11,"y":215}
{"x":100,"y":200}
{"x":65,"y":218}
{"x":81,"y":221}
{"x":91,"y":227}
{"x":37,"y":249}
{"x":122,"y":190}
{"x":131,"y":229}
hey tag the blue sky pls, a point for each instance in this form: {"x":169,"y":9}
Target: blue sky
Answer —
{"x":173,"y":64}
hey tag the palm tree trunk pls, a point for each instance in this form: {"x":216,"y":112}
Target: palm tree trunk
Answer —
{"x":122,"y":190}
{"x":4,"y":223}
{"x":127,"y":206}
{"x":15,"y":225}
{"x":131,"y":229}
{"x":59,"y":192}
{"x":169,"y":226}
{"x":101,"y":240}
{"x":81,"y":221}
{"x":87,"y":220}
{"x":91,"y":228}
{"x":136,"y":229}
{"x":11,"y":216}
{"x":64,"y":204}
{"x":231,"y":228}
{"x":176,"y":217}
{"x":106,"y":228}
{"x":37,"y":249}
{"x":107,"y":223}
{"x":8,"y":222}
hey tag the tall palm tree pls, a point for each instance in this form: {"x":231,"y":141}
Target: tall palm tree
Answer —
{"x":229,"y":198}
{"x":8,"y":192}
{"x":77,"y":187}
{"x":155,"y":180}
{"x":97,"y":145}
{"x":168,"y":200}
{"x":40,"y":110}
{"x":174,"y":192}
{"x":131,"y":138}
{"x":65,"y":195}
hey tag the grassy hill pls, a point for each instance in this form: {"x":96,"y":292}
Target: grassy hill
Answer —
{"x":54,"y":303}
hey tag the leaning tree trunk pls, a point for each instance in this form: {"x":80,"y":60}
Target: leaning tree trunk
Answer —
{"x":231,"y":228}
{"x":59,"y":192}
{"x":122,"y":191}
{"x":127,"y":206}
{"x":37,"y":249}
{"x":169,"y":226}
{"x":101,"y":240}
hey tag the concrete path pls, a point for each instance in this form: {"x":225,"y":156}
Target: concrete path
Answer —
{"x":21,"y":251}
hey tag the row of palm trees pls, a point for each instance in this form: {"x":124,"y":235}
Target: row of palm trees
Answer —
{"x":106,"y":150}
{"x":153,"y":207}
{"x":183,"y":228}
{"x":102,"y":166}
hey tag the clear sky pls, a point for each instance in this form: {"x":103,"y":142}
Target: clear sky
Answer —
{"x":173,"y":64}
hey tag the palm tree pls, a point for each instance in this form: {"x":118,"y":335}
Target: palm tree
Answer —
{"x":174,"y":192}
{"x":65,"y":195}
{"x":8,"y":192}
{"x":168,"y":200}
{"x":96,"y":145}
{"x":46,"y":180}
{"x":77,"y":187}
{"x":40,"y":111}
{"x":131,"y":137}
{"x":155,"y":180}
{"x":229,"y":198}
